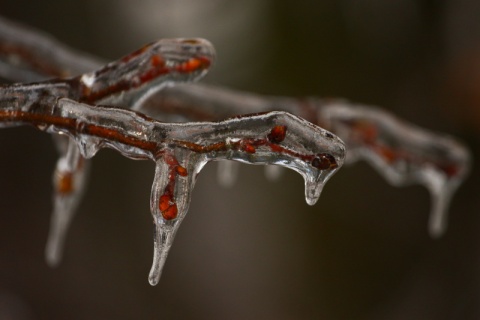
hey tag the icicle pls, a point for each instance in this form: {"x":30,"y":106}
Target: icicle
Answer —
{"x":441,"y":186}
{"x":164,"y":230}
{"x":69,"y":180}
{"x":313,"y":188}
{"x":440,"y":198}
{"x":171,"y":192}
{"x":227,"y":173}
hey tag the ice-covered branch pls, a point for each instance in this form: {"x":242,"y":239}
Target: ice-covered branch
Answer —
{"x":180,"y":150}
{"x":401,"y":152}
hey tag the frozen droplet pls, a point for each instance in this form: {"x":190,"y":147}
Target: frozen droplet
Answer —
{"x":313,"y":189}
{"x":227,"y":173}
{"x":88,"y":145}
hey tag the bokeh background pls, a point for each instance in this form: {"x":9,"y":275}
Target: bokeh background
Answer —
{"x":256,"y":250}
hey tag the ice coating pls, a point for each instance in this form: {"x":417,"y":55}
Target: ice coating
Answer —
{"x":135,"y":77}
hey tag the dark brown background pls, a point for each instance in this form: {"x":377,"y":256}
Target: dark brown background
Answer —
{"x":257,"y":251}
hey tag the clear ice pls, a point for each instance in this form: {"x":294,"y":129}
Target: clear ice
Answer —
{"x":122,"y":104}
{"x":69,"y":182}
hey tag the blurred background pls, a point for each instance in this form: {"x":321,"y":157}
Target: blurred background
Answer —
{"x":257,"y":250}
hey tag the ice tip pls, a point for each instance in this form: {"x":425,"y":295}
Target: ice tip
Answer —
{"x":52,"y":258}
{"x":437,"y":226}
{"x":438,"y":220}
{"x":153,"y":280}
{"x":53,"y":251}
{"x":155,"y":271}
{"x":436,"y":233}
{"x":312,"y":191}
{"x":199,"y":49}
